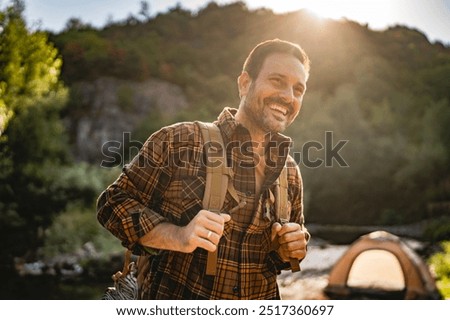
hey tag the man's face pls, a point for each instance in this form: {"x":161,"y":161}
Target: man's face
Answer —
{"x":273,"y":100}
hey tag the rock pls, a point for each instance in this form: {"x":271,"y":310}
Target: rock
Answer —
{"x":88,"y":251}
{"x":106,"y":109}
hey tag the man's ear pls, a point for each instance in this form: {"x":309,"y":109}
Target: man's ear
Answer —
{"x":244,"y":82}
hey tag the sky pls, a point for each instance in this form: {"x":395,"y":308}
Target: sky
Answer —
{"x":432,"y":17}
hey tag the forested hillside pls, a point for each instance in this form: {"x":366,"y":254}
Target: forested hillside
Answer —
{"x":387,"y":93}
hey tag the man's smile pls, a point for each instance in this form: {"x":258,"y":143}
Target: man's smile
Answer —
{"x":279,"y":109}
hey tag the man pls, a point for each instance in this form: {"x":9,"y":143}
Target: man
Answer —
{"x":155,"y":206}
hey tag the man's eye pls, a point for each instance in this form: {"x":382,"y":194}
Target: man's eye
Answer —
{"x":276,"y":81}
{"x":298,"y":91}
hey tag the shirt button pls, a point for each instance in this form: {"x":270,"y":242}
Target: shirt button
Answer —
{"x":235,"y":289}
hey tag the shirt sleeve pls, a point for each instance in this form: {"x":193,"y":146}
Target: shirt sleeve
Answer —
{"x":125,"y":207}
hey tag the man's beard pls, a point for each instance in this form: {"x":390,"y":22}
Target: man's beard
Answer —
{"x":257,"y":111}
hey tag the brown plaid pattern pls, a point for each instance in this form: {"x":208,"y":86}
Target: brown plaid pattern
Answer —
{"x":165,"y":182}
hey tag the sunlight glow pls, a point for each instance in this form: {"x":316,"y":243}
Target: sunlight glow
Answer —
{"x":377,"y":13}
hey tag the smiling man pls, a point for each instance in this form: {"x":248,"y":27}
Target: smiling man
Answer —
{"x":155,"y":206}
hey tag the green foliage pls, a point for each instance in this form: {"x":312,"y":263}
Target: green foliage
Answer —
{"x":81,"y":183}
{"x":29,"y":65}
{"x":77,"y":224}
{"x":438,"y":229}
{"x":87,"y":51}
{"x":75,"y":227}
{"x":33,"y":145}
{"x":440,"y":262}
{"x":33,"y":151}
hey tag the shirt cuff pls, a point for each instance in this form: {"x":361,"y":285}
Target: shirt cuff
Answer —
{"x":278,"y":262}
{"x":148,"y":219}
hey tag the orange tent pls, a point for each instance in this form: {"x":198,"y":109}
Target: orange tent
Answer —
{"x":381,"y":266}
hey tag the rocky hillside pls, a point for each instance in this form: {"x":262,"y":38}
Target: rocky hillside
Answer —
{"x":112,"y":109}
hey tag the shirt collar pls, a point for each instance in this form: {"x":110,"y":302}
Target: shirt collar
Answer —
{"x":227,"y":123}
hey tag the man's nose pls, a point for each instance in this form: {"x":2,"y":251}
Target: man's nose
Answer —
{"x":287,"y":95}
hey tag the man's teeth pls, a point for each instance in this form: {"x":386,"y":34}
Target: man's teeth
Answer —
{"x":278,"y":108}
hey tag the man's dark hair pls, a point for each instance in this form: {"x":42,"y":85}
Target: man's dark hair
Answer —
{"x":258,"y":55}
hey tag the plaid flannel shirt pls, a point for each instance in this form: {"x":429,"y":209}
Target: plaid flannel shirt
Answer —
{"x":165,"y":183}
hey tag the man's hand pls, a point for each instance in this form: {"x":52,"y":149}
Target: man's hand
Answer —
{"x":292,"y":240}
{"x":204,"y":231}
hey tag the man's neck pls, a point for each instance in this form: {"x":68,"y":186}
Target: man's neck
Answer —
{"x":258,"y":138}
{"x":256,"y":133}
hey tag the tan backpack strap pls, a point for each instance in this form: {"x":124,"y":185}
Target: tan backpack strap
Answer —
{"x":216,"y":169}
{"x":217,"y":176}
{"x":281,"y":197}
{"x":283,"y":207}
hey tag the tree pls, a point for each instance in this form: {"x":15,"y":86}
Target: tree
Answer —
{"x":29,"y":65}
{"x":145,"y":11}
{"x":33,"y":148}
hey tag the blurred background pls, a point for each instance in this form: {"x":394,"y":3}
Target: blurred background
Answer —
{"x":78,"y":99}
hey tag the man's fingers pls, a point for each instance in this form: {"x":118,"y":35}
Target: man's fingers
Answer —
{"x":211,"y":236}
{"x":276,"y":227}
{"x":288,"y":227}
{"x":292,"y":241}
{"x":207,"y":245}
{"x":221,"y":218}
{"x":295,"y":236}
{"x":208,"y":229}
{"x":212,"y":221}
{"x":296,"y":254}
{"x":226,"y":217}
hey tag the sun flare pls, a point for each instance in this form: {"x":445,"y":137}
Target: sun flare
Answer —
{"x":378,"y":12}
